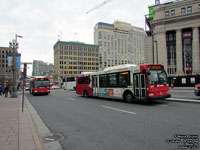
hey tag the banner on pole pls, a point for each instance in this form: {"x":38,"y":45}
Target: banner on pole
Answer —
{"x":9,"y":59}
{"x":17,"y":60}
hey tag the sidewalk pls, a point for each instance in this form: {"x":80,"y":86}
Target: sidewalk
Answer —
{"x":181,"y":88}
{"x":17,"y":130}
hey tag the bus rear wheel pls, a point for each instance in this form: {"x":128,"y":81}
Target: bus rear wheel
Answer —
{"x":128,"y":97}
{"x":85,"y":94}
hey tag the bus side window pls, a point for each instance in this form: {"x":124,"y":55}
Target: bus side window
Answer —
{"x":87,"y":80}
{"x":81,"y":80}
{"x":112,"y":80}
{"x":124,"y":80}
{"x":102,"y":80}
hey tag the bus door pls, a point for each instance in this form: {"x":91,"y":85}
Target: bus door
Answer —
{"x":94,"y":86}
{"x":139,"y":80}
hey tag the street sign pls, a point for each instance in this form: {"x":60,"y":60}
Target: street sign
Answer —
{"x":67,"y":68}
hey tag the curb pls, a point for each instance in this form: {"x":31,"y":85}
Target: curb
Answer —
{"x":182,"y":88}
{"x":42,"y":128}
{"x":182,"y":100}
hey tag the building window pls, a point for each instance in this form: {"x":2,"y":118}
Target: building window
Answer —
{"x":187,"y":51}
{"x":172,"y":13}
{"x":166,"y":14}
{"x":171,"y":52}
{"x":189,"y":9}
{"x":182,"y":11}
{"x":100,"y":35}
{"x":199,"y":7}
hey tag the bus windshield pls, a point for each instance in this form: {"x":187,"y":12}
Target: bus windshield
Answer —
{"x":41,"y":83}
{"x":157,"y":77}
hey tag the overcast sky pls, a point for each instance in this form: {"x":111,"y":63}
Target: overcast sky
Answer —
{"x":41,"y":21}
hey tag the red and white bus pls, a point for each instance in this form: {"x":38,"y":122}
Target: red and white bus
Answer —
{"x":40,"y":85}
{"x":129,"y":82}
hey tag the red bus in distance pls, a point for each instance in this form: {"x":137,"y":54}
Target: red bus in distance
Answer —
{"x":40,"y":85}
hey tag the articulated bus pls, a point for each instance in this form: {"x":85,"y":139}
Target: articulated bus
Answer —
{"x":129,"y":82}
{"x":40,"y":85}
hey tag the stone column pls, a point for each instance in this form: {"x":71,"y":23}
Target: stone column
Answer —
{"x":179,"y":52}
{"x":195,"y":53}
{"x":160,"y":49}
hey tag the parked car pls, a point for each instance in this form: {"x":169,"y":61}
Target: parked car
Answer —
{"x":54,"y":86}
{"x":27,"y":88}
{"x":197,"y":90}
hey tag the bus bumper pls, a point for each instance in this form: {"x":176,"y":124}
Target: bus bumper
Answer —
{"x":159,"y":97}
{"x":197,"y":92}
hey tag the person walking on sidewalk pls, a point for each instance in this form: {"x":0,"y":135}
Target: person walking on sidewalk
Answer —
{"x":1,"y":89}
{"x":6,"y":89}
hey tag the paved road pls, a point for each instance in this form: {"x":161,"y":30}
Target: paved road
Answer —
{"x":103,"y":124}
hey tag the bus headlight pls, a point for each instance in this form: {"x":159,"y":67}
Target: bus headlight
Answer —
{"x":151,"y":94}
{"x":167,"y":92}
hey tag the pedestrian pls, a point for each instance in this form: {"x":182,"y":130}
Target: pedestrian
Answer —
{"x":10,"y":90}
{"x":1,"y":89}
{"x":6,"y":89}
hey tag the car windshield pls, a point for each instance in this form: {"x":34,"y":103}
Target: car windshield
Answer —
{"x":157,"y":77}
{"x":41,"y":83}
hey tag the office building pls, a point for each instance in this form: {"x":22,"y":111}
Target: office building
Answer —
{"x":6,"y":74}
{"x":41,"y":68}
{"x":119,"y":43}
{"x":72,"y":58}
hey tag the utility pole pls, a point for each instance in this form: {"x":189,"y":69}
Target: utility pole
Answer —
{"x":24,"y":81}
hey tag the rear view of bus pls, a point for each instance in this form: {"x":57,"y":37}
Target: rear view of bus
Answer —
{"x":157,"y":82}
{"x":83,"y":84}
{"x":40,"y":85}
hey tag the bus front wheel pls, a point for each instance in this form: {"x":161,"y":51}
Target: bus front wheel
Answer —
{"x":128,"y":97}
{"x":85,"y":94}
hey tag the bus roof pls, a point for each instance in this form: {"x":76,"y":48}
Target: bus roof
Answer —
{"x":85,"y":73}
{"x":122,"y":68}
{"x":39,"y":77}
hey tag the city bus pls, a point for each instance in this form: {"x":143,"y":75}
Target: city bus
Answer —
{"x":40,"y":85}
{"x":70,"y":84}
{"x":129,"y":82}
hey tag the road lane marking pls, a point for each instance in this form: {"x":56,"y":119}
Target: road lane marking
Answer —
{"x":71,"y":99}
{"x":183,"y":100}
{"x":163,"y":105}
{"x":129,"y":112}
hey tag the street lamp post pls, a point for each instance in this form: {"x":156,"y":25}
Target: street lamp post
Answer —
{"x":15,"y":54}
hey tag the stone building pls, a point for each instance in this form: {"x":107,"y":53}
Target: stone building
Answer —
{"x":174,"y":32}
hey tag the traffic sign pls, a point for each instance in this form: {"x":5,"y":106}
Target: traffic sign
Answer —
{"x":67,"y":68}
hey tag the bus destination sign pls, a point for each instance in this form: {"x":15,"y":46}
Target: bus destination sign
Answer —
{"x":155,"y":67}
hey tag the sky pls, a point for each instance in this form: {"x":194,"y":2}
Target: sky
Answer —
{"x":43,"y":22}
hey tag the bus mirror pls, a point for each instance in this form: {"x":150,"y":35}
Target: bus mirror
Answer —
{"x":148,"y":73}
